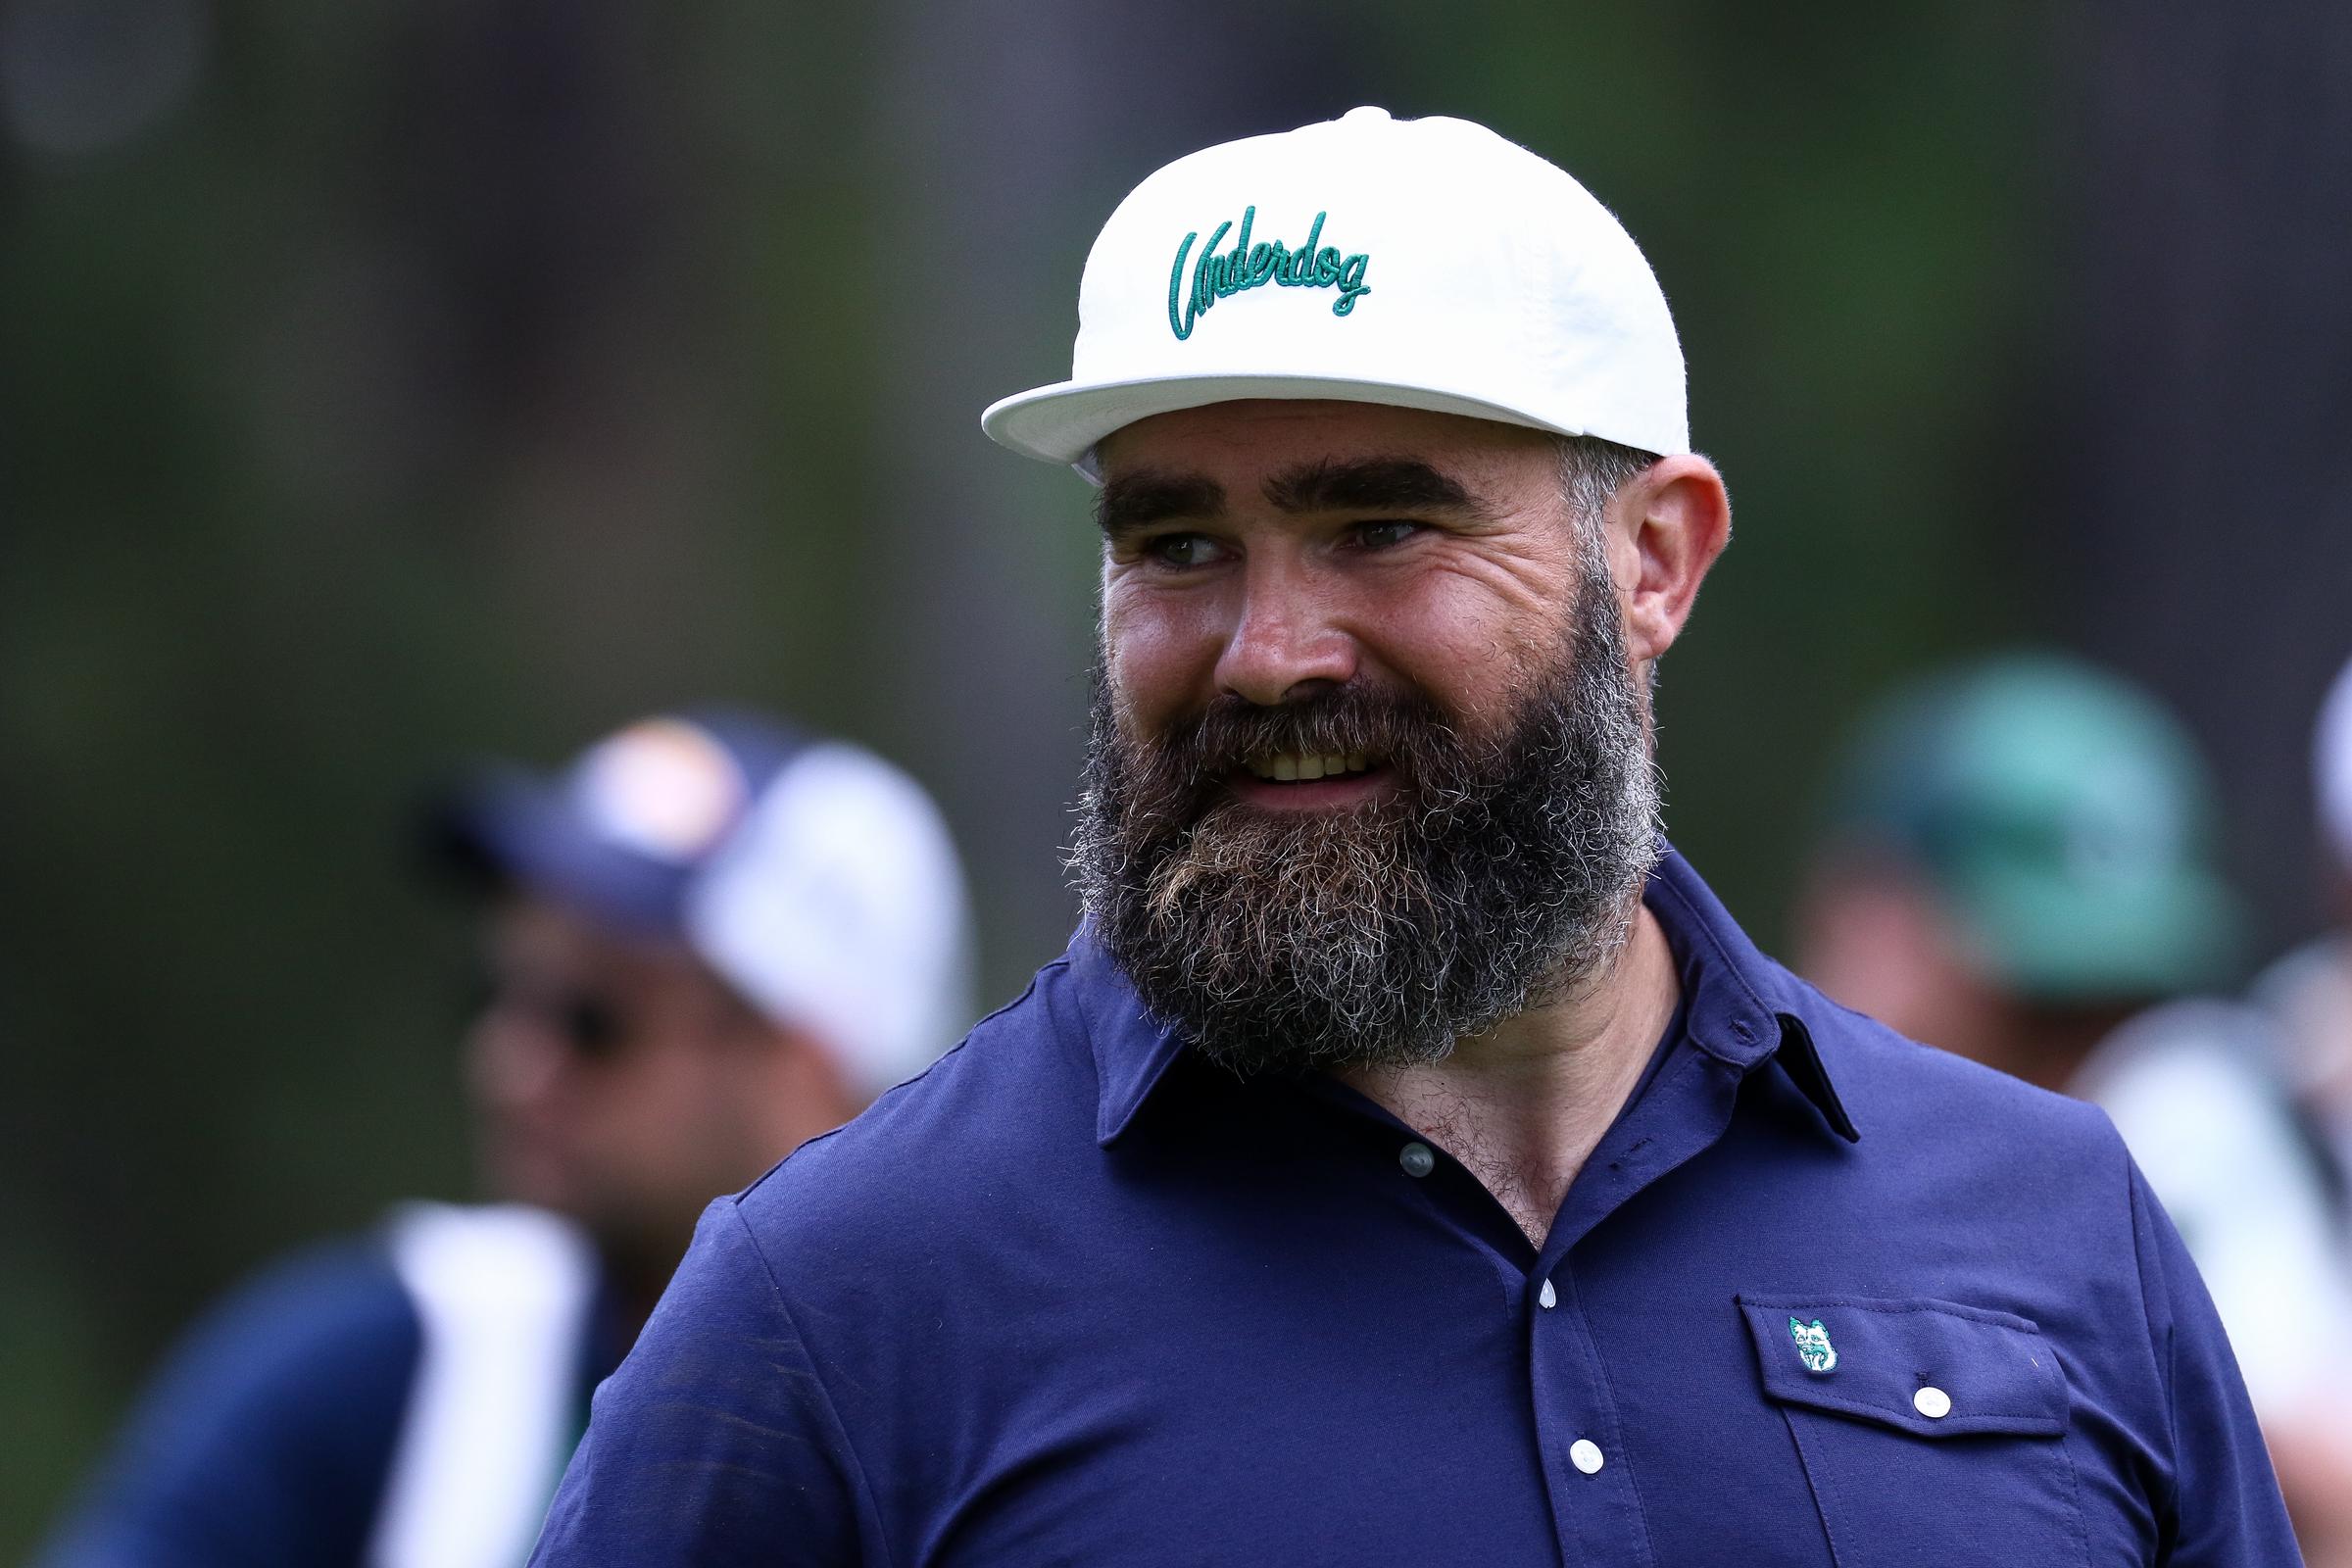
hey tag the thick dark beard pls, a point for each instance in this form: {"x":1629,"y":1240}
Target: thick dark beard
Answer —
{"x":1501,"y":873}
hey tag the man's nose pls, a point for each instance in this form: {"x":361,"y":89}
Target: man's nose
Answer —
{"x":1287,"y":643}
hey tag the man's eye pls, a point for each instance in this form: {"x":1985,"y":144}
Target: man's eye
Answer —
{"x":1182,"y":550}
{"x":1386,"y":532}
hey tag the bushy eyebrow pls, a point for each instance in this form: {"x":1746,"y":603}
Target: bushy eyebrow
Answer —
{"x":1371,"y":484}
{"x":1133,"y":501}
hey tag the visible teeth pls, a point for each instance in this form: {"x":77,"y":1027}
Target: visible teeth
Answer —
{"x":1292,"y":766}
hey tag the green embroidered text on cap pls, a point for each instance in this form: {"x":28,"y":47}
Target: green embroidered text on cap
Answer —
{"x":1217,"y":276}
{"x":1813,"y":1347}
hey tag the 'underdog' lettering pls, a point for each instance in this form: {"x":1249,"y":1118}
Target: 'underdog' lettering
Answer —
{"x":1222,"y":275}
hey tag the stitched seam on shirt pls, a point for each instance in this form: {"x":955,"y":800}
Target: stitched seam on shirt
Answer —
{"x":894,"y":1089}
{"x":1866,"y":1304}
{"x":1815,"y":1483}
{"x":2160,"y":1361}
{"x":1722,"y":954}
{"x":1625,"y":1457}
{"x":2074,"y":1486}
{"x":1974,"y":1421}
{"x":816,"y":1377}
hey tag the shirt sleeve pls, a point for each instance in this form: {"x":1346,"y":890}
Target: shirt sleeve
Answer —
{"x":2222,"y":1509}
{"x":715,"y":1444}
{"x":266,"y":1439}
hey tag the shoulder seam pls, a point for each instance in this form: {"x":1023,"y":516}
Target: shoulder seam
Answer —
{"x":2159,"y":1357}
{"x":816,"y":1376}
{"x":899,"y":1087}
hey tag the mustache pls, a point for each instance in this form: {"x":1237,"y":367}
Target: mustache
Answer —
{"x":1403,"y":731}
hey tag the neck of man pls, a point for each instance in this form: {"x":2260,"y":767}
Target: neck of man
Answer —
{"x":1523,"y":1106}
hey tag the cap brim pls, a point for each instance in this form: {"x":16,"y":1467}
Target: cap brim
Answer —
{"x":508,"y":829}
{"x":1062,"y":423}
{"x":2055,"y":944}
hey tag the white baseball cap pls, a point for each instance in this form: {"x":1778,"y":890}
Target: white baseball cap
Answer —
{"x":1428,"y":264}
{"x":813,"y":877}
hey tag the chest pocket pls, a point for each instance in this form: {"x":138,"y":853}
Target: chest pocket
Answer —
{"x":1930,"y":1432}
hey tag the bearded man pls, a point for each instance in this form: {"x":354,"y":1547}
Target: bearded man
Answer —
{"x":1410,"y":1160}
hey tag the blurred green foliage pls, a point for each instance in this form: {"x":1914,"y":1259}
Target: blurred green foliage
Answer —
{"x":431,"y":381}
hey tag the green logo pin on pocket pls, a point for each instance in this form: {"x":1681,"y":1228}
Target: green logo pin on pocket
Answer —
{"x":1813,"y":1346}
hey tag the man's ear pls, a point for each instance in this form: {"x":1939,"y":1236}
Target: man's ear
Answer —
{"x":1665,"y":530}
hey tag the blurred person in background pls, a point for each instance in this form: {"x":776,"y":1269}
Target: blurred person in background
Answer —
{"x":709,"y":941}
{"x":2309,"y":992}
{"x":2018,"y":870}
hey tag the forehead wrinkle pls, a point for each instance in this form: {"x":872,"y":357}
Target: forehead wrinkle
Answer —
{"x":1371,"y":484}
{"x":1131,"y":500}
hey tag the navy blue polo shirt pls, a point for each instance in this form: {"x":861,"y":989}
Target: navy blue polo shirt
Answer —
{"x":1821,"y":1295}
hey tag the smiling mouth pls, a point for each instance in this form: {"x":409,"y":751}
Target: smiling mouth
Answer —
{"x":1291,"y":767}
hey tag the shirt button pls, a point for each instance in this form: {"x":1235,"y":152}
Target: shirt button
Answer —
{"x":1549,"y":1298}
{"x":1416,"y":1159}
{"x":1932,"y":1403}
{"x":1585,"y":1454}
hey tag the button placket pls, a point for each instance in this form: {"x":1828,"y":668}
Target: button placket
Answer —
{"x":1595,"y":1506}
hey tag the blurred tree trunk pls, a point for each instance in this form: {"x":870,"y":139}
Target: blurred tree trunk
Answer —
{"x":2202,"y":517}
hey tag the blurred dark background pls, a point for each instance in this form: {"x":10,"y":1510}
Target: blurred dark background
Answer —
{"x":382,"y":385}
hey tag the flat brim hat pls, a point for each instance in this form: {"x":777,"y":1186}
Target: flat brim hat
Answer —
{"x":1424,"y":264}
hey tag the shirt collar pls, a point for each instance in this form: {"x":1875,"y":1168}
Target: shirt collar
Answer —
{"x":1132,"y":1050}
{"x":1741,"y":1007}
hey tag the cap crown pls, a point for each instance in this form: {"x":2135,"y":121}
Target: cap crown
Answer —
{"x":1423,"y":262}
{"x":2063,"y":812}
{"x":816,"y":878}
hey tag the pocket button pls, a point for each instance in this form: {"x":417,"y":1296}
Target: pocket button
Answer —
{"x":1932,"y":1403}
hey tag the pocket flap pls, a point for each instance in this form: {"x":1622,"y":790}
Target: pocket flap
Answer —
{"x":1933,"y":1368}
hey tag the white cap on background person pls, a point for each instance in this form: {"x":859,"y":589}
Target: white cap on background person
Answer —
{"x":813,"y":877}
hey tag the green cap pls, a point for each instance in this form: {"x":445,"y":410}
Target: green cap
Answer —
{"x":2064,"y":817}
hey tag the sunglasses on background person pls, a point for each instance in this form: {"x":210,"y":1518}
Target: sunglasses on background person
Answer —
{"x":595,"y":1028}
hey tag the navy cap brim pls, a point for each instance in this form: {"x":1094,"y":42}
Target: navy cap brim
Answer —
{"x":509,"y":829}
